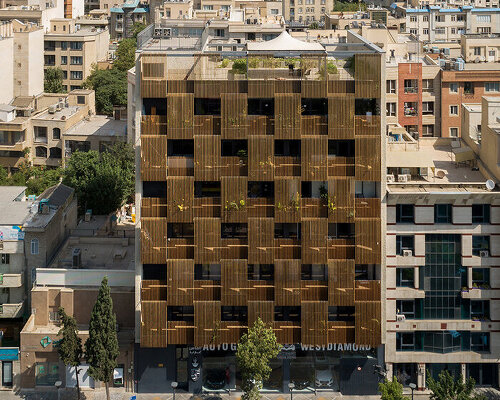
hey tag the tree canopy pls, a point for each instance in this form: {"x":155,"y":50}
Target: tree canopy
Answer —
{"x":53,"y":80}
{"x":36,"y":179}
{"x":102,"y":182}
{"x":101,"y":348}
{"x":125,"y":54}
{"x":255,"y":349}
{"x":110,"y":87}
{"x":391,"y":390}
{"x":347,"y":6}
{"x":448,"y":387}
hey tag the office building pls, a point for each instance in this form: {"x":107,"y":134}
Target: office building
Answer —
{"x":259,"y":195}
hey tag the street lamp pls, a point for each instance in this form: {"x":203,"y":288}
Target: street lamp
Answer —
{"x":412,"y":387}
{"x":174,"y":386}
{"x":291,"y":386}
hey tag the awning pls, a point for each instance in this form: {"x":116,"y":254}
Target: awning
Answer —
{"x":409,"y":159}
{"x":284,"y":42}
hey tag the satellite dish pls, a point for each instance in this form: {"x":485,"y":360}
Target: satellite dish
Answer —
{"x":490,"y":185}
{"x":440,"y":174}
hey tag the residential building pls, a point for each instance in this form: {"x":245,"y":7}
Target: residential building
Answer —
{"x":74,"y":8}
{"x":39,"y":14}
{"x":74,"y":50}
{"x":355,"y":20}
{"x":21,"y":57}
{"x":123,"y":18}
{"x":440,"y":24}
{"x":72,"y":281}
{"x":30,"y":233}
{"x":259,"y":198}
{"x":306,"y":12}
{"x":480,"y":47}
{"x":465,"y":86}
{"x":442,"y":244}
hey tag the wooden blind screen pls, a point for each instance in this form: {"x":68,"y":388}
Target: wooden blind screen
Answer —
{"x":207,"y":240}
{"x":180,"y":282}
{"x":314,"y":234}
{"x":180,"y":116}
{"x":180,"y":195}
{"x":234,"y":281}
{"x":153,"y":158}
{"x":154,"y":324}
{"x":287,"y":116}
{"x":341,"y":117}
{"x":234,"y":121}
{"x":341,"y":282}
{"x":234,"y":191}
{"x":314,"y":158}
{"x":153,"y":240}
{"x":207,"y":155}
{"x":260,"y":240}
{"x":287,"y":282}
{"x":314,"y":322}
{"x":261,"y":158}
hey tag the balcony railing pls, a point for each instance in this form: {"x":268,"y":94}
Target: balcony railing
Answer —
{"x":11,"y":280}
{"x":411,"y":89}
{"x":14,"y":310}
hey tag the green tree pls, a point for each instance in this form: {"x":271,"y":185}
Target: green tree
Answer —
{"x":449,"y":388}
{"x":70,"y":346}
{"x":110,"y":86}
{"x":137,"y":28}
{"x":101,"y":348}
{"x":125,"y":55}
{"x":391,"y":390}
{"x":53,"y":80}
{"x":347,"y":6}
{"x":41,"y":178}
{"x":4,"y":176}
{"x":102,"y":182}
{"x":255,"y":349}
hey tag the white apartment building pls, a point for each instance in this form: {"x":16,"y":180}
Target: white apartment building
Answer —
{"x":437,"y":24}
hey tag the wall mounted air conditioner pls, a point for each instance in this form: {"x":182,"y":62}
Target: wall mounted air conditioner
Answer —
{"x":390,"y":178}
{"x":407,"y":253}
{"x":400,"y":317}
{"x":484,"y":253}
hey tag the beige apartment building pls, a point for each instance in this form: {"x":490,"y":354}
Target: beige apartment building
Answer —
{"x":74,"y":50}
{"x":306,"y":11}
{"x":40,"y":14}
{"x":476,"y":47}
{"x":442,"y":307}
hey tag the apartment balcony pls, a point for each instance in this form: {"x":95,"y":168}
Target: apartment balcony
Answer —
{"x":207,"y":207}
{"x":341,"y":249}
{"x":314,"y":208}
{"x":341,"y":166}
{"x":260,"y":207}
{"x":287,"y":166}
{"x":477,"y":293}
{"x":261,"y":124}
{"x":234,"y":166}
{"x":411,"y":90}
{"x":288,"y":249}
{"x":11,"y":280}
{"x":14,"y":310}
{"x":180,"y":166}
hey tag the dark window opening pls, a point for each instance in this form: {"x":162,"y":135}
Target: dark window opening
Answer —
{"x":366,"y":107}
{"x":341,"y":313}
{"x":154,"y":189}
{"x":207,"y":272}
{"x":481,"y":213}
{"x":180,"y":313}
{"x":286,"y":231}
{"x":154,"y":106}
{"x":405,"y":213}
{"x":206,"y":106}
{"x":480,"y":245}
{"x":314,"y":106}
{"x":234,"y":148}
{"x":261,"y":189}
{"x":41,"y":152}
{"x":260,"y":272}
{"x":56,"y":133}
{"x":234,"y":313}
{"x":366,"y":190}
{"x":154,"y":272}
{"x":314,"y":189}
{"x":341,"y":148}
{"x":406,"y":308}
{"x":180,"y":148}
{"x":405,"y":242}
{"x":314,"y":272}
{"x":287,"y":313}
{"x":207,"y":189}
{"x":405,"y":277}
{"x":480,"y":310}
{"x":287,"y":148}
{"x":261,"y":107}
{"x":180,"y":230}
{"x":443,"y":213}
{"x":55,"y":152}
{"x":366,"y":272}
{"x":234,"y":231}
{"x":481,"y":278}
{"x":341,"y":231}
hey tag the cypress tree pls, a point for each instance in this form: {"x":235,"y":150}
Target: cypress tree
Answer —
{"x":70,"y":346}
{"x":101,"y":348}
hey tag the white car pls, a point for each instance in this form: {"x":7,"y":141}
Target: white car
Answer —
{"x":324,"y":378}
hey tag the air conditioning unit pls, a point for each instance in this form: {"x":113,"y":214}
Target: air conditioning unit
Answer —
{"x":407,"y":253}
{"x":400,"y":317}
{"x":484,"y":253}
{"x":77,"y":258}
{"x":403,"y":178}
{"x":390,"y":178}
{"x":157,"y":32}
{"x":167,"y":32}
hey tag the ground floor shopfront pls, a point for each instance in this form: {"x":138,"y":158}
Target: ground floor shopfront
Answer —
{"x":484,"y":374}
{"x":348,"y":369}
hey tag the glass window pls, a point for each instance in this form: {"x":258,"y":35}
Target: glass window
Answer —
{"x":56,"y":133}
{"x":207,"y":189}
{"x":443,"y":213}
{"x":405,"y":242}
{"x":4,"y":258}
{"x":480,"y":310}
{"x":76,"y":60}
{"x":234,"y":313}
{"x":180,"y":313}
{"x":64,"y":45}
{"x":76,"y":75}
{"x":481,"y":213}
{"x":442,"y":342}
{"x":234,"y":231}
{"x":287,"y":231}
{"x":480,"y":341}
{"x":481,"y":278}
{"x":406,"y":308}
{"x":260,"y":272}
{"x":492,"y":86}
{"x":405,"y":341}
{"x":391,"y":86}
{"x":287,"y":313}
{"x":341,"y":231}
{"x":118,"y":375}
{"x":34,"y":246}
{"x":76,"y":45}
{"x":207,"y":272}
{"x":341,"y":313}
{"x":180,"y":230}
{"x":405,"y":213}
{"x":46,"y":373}
{"x":405,"y":373}
{"x":453,"y":87}
{"x":405,"y":277}
{"x":366,"y":190}
{"x":366,"y":272}
{"x":480,"y":245}
{"x":453,"y":110}
{"x":453,"y":132}
{"x":314,"y":272}
{"x":64,"y":60}
{"x":468,"y":88}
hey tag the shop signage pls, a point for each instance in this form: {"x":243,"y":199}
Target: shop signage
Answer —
{"x":9,"y":354}
{"x":13,"y":232}
{"x":290,"y":347}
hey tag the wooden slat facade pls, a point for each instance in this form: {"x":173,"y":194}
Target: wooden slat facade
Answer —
{"x":263,"y":162}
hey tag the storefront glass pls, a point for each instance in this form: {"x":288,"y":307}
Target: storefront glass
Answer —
{"x":435,"y":369}
{"x":219,"y":371}
{"x":46,"y":373}
{"x":405,"y":373}
{"x":275,"y":381}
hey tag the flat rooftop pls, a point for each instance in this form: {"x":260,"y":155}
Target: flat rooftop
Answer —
{"x":99,"y":125}
{"x":63,"y":114}
{"x":11,"y":193}
{"x":14,"y":212}
{"x":445,"y":165}
{"x":97,"y":253}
